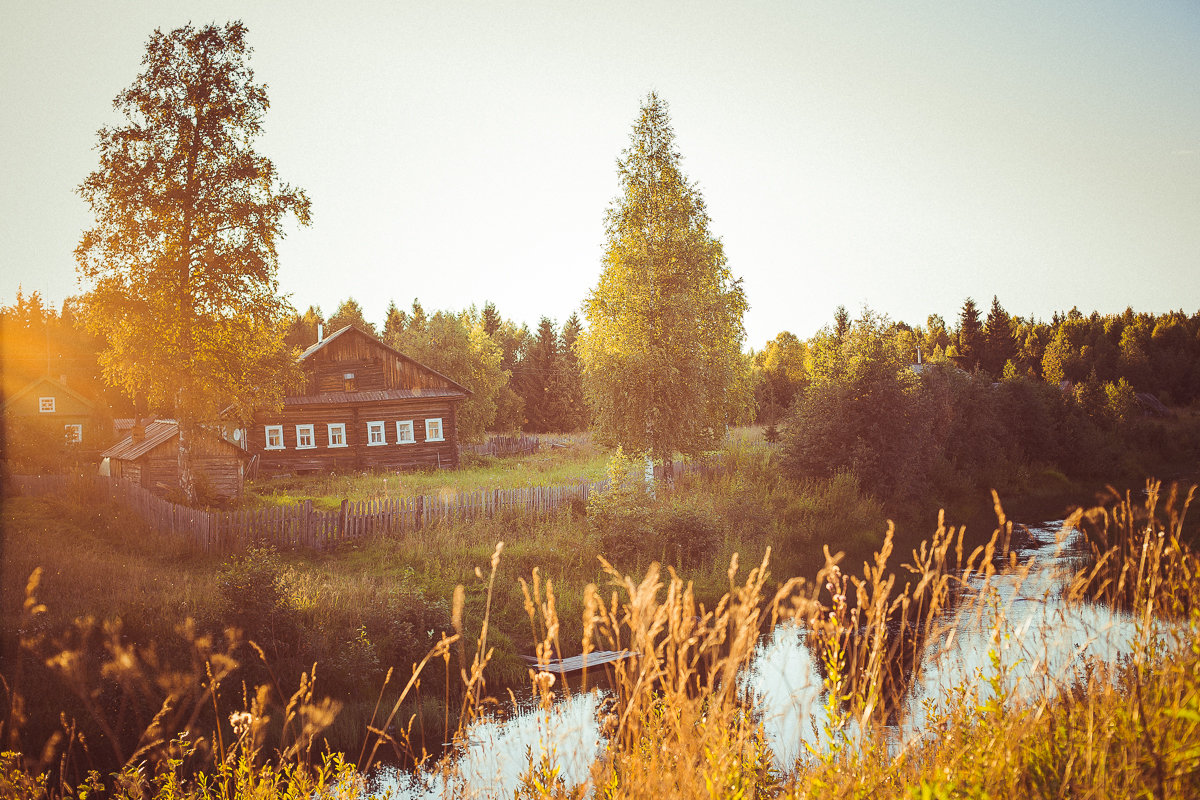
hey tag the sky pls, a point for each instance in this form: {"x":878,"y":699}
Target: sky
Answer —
{"x":903,"y":156}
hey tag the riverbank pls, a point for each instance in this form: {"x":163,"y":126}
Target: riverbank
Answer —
{"x":722,"y":746}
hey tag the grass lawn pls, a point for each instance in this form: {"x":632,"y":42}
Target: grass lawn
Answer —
{"x":563,"y":459}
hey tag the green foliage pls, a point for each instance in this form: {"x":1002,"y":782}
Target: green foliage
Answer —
{"x":691,"y":535}
{"x":859,"y":412}
{"x":970,"y":335}
{"x":256,"y":598}
{"x":182,"y":261}
{"x":572,"y":403}
{"x":999,"y":343}
{"x":1120,"y":401}
{"x":37,"y":447}
{"x":621,"y":513}
{"x":949,"y":433}
{"x":780,"y":372}
{"x":350,"y":313}
{"x":663,"y":342}
{"x":302,"y":329}
{"x":459,"y":348}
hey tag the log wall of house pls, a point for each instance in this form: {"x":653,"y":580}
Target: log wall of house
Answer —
{"x":374,"y":366}
{"x":358,"y":454}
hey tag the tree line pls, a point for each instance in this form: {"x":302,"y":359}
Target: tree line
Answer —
{"x":1085,"y":355}
{"x":1079,"y":396}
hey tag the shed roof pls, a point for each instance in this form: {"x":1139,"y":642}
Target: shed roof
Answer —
{"x":158,"y":432}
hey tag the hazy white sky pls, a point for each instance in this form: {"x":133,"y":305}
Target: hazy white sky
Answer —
{"x":902,"y":155}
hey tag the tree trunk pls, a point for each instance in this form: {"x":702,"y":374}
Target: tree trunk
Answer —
{"x":187,"y":476}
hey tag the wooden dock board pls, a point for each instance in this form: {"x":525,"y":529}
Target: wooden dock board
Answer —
{"x":596,"y":658}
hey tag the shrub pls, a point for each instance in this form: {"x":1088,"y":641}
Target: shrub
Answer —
{"x":689,"y":535}
{"x":255,"y":599}
{"x":621,"y":515}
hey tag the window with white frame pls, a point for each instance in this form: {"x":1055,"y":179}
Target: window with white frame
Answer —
{"x":274,"y":437}
{"x":45,"y":405}
{"x":73,"y":433}
{"x":433,"y":430}
{"x":404,"y":432}
{"x":375,"y":434}
{"x":337,"y":434}
{"x":305,"y":437}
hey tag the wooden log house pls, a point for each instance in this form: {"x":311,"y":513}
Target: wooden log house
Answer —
{"x":149,"y":457}
{"x":53,"y":405}
{"x":363,"y":405}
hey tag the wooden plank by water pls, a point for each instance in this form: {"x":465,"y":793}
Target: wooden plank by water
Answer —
{"x":593,"y":660}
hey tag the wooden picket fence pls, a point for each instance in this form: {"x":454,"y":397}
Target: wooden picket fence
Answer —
{"x":302,"y":525}
{"x":504,"y":446}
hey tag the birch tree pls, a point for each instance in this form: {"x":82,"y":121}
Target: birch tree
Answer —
{"x":181,"y":262}
{"x":664,"y":324}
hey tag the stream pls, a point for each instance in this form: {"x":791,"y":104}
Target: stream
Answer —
{"x":1022,"y":623}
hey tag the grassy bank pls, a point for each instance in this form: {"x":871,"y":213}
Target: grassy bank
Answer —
{"x":562,"y":459}
{"x":678,"y":727}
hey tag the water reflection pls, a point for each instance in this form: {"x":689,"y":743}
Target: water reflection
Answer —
{"x":498,"y":752}
{"x":1020,"y":616}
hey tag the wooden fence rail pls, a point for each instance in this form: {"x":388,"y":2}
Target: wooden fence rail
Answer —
{"x":504,"y":446}
{"x":301,"y":525}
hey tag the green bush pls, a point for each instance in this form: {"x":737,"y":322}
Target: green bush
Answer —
{"x":255,"y":599}
{"x":689,"y":535}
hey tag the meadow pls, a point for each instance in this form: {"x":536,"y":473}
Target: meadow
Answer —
{"x":561,"y":459}
{"x":329,"y":638}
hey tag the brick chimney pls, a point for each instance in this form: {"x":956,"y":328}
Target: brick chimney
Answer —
{"x":138,"y":432}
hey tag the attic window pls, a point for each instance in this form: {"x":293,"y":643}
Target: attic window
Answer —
{"x":351,"y":385}
{"x":46,"y":405}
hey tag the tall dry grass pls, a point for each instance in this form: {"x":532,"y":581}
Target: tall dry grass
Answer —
{"x":679,"y":722}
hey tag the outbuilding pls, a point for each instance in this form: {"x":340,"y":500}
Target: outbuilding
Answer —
{"x":149,"y":457}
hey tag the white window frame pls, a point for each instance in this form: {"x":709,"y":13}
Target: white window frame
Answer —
{"x":277,"y":429}
{"x":45,"y":405}
{"x":405,"y":426}
{"x":340,"y":428}
{"x":73,"y":432}
{"x":441,"y":437}
{"x":301,"y":430}
{"x":379,"y":427}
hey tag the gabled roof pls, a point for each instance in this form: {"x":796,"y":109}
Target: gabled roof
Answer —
{"x":58,"y":385}
{"x":375,"y":342}
{"x":157,"y":432}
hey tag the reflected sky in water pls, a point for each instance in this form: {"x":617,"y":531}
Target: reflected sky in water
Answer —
{"x":1041,"y":641}
{"x":498,"y":752}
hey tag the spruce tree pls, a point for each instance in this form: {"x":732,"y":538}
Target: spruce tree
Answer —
{"x":970,"y":335}
{"x":999,"y":344}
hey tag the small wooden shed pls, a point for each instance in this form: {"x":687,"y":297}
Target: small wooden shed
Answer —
{"x":149,"y":457}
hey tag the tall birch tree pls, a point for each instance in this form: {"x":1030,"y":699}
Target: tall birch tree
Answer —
{"x":664,"y":324}
{"x":181,"y":261}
